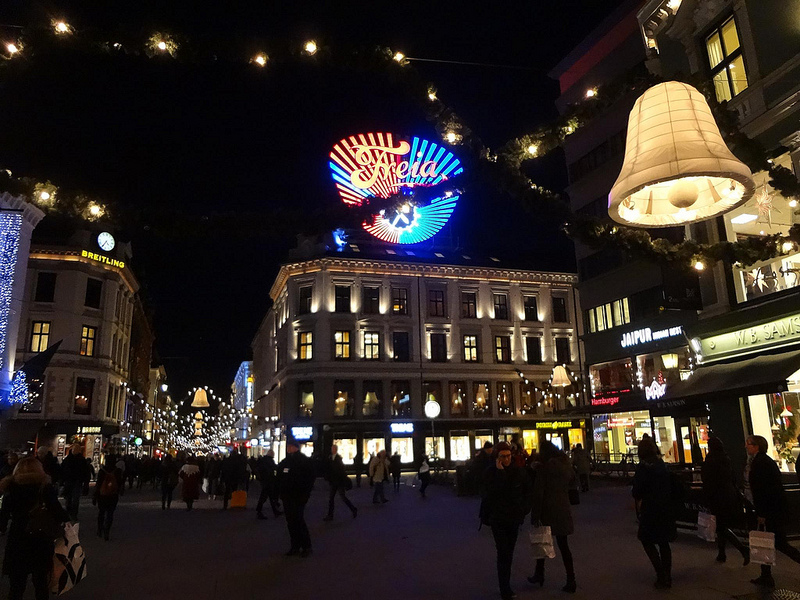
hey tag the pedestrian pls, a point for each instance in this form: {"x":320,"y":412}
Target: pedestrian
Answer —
{"x":339,"y":482}
{"x":506,"y":500}
{"x":234,"y":473}
{"x":121,"y":465}
{"x":106,"y":496}
{"x":379,"y":472}
{"x":766,"y":487}
{"x":359,"y":466}
{"x":49,"y":463}
{"x":721,"y":498}
{"x":265,"y":472}
{"x":652,"y":489}
{"x":74,"y":473}
{"x":8,"y":468}
{"x":29,"y":549}
{"x":190,"y":476}
{"x":424,"y":474}
{"x":396,"y":469}
{"x":582,"y":464}
{"x":213,"y":472}
{"x":169,"y":480}
{"x":480,"y":462}
{"x":551,"y":507}
{"x":295,"y":482}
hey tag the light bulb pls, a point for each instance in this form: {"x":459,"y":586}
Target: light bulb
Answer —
{"x":451,"y":137}
{"x":533,"y":149}
{"x":591,"y":93}
{"x":699,"y":265}
{"x":12,"y":48}
{"x":162,"y":45}
{"x":311,"y":47}
{"x":399,"y":56}
{"x":260,"y":60}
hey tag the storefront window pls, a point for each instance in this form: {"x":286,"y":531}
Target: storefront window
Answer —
{"x":528,"y":399}
{"x":663,"y":368}
{"x":667,"y":439}
{"x":373,"y":445}
{"x":575,"y":437}
{"x":401,"y":399}
{"x":762,"y":279}
{"x":776,"y":417}
{"x":457,"y":398}
{"x":405,"y":448}
{"x":343,"y":403}
{"x":308,"y":449}
{"x":480,"y":402}
{"x":614,"y":376}
{"x":481,"y":437}
{"x":439,"y":451}
{"x":459,"y":447}
{"x":373,"y":391}
{"x":347,"y":449}
{"x":306,"y":399}
{"x":505,"y":399}
{"x":617,"y":435}
{"x":433,"y":391}
{"x":530,"y":440}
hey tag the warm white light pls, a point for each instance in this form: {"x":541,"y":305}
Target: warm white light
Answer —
{"x":431,"y":96}
{"x":699,"y":265}
{"x":591,"y":93}
{"x":12,"y":48}
{"x":399,"y":57}
{"x":451,"y":137}
{"x":61,"y":27}
{"x":45,"y":195}
{"x":162,"y":45}
{"x":670,"y":360}
{"x":95,"y":210}
{"x":792,"y":203}
{"x":743,"y":219}
{"x":260,"y":59}
{"x":533,"y":149}
{"x":787,"y":246}
{"x":311,"y":47}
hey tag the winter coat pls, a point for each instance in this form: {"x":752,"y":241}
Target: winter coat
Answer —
{"x":26,"y":553}
{"x":296,"y":477}
{"x":767,"y":489}
{"x":379,"y":469}
{"x":234,"y":469}
{"x":265,"y":470}
{"x":652,"y":486}
{"x":551,"y":495}
{"x":169,"y":474}
{"x":334,"y":471}
{"x":74,"y":469}
{"x":581,"y":461}
{"x":507,"y":495}
{"x":395,"y":465}
{"x":190,"y":475}
{"x":719,"y":491}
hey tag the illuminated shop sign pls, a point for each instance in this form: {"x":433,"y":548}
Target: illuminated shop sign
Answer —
{"x":302,"y":433}
{"x":555,"y":425}
{"x":774,"y":334}
{"x":655,"y":390}
{"x":373,"y":166}
{"x":402,"y":427}
{"x":620,"y":422}
{"x":103,"y":259}
{"x":88,"y":429}
{"x":607,"y":401}
{"x":647,"y":335}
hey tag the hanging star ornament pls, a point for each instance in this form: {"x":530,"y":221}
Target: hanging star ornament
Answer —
{"x":764,"y":205}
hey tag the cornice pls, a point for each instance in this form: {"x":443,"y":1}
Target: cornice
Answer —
{"x":70,"y":255}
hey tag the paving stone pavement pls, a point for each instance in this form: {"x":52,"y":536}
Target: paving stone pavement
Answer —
{"x":409,"y":548}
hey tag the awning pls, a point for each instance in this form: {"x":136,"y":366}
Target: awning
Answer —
{"x":760,"y":375}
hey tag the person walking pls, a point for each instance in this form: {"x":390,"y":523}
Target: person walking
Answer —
{"x":339,"y":482}
{"x":424,"y":474}
{"x":169,"y":480}
{"x":12,"y":458}
{"x":29,"y":550}
{"x":234,"y":474}
{"x":358,"y":462}
{"x":396,"y":469}
{"x":554,"y":478}
{"x":106,"y":496}
{"x":582,"y":464}
{"x":721,"y":498}
{"x":652,"y":489}
{"x":213,"y":472}
{"x":265,"y":471}
{"x":295,"y":482}
{"x":766,"y":487}
{"x":191,"y":478}
{"x":507,"y":498}
{"x":122,"y":465}
{"x":74,"y":473}
{"x":379,"y":472}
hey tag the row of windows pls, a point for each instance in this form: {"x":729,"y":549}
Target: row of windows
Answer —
{"x":40,"y":338}
{"x":606,"y":316}
{"x":82,"y":400}
{"x":46,"y":290}
{"x":437,"y":303}
{"x":374,"y":402}
{"x":401,"y":347}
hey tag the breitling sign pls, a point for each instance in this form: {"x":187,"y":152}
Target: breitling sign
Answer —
{"x":774,"y":334}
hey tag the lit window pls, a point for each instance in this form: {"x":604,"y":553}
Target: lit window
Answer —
{"x":726,"y":61}
{"x":342,"y":342}
{"x":621,"y":313}
{"x":399,"y":301}
{"x":40,"y":336}
{"x":470,"y":348}
{"x":306,"y":343}
{"x":502,"y":348}
{"x":88,"y":335}
{"x":372,"y":347}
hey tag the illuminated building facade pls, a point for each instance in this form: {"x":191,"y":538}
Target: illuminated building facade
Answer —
{"x":357,"y":342}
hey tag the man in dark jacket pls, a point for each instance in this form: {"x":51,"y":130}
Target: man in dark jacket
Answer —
{"x":507,"y":498}
{"x":767,"y":489}
{"x":295,"y":482}
{"x":74,"y":473}
{"x":337,"y":478}
{"x":265,"y":471}
{"x":234,"y":473}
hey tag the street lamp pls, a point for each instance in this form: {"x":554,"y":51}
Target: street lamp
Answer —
{"x":432,"y":410}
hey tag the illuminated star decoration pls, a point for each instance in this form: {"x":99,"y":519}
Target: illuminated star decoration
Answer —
{"x":764,"y":205}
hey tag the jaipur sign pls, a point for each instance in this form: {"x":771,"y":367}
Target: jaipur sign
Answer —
{"x":383,"y":165}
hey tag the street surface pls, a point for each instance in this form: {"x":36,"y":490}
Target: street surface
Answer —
{"x":408,"y":548}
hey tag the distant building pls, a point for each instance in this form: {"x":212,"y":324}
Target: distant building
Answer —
{"x":243,"y":400}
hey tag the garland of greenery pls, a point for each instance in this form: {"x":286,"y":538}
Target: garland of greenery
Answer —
{"x":505,"y":167}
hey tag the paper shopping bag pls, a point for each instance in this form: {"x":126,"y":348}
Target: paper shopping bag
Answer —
{"x":542,"y":542}
{"x":69,"y":561}
{"x":707,"y":527}
{"x":762,"y":547}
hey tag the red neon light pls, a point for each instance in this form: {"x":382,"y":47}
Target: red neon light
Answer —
{"x":610,"y":401}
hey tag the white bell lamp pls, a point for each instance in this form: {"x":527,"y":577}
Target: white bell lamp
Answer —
{"x":677,"y":169}
{"x":200,"y":399}
{"x":560,"y":377}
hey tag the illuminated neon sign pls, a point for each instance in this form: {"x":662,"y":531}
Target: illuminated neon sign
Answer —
{"x":655,"y":390}
{"x":369,"y":166}
{"x":402,"y":427}
{"x":103,"y":259}
{"x":302,"y":433}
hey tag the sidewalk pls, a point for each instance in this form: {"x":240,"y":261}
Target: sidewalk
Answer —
{"x":407,"y":549}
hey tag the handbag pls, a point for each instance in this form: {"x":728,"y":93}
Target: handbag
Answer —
{"x":42,"y":523}
{"x":69,"y":561}
{"x":762,"y":547}
{"x":542,"y":542}
{"x":574,"y":497}
{"x":707,"y":527}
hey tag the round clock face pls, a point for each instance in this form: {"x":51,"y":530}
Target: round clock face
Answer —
{"x":106,"y":241}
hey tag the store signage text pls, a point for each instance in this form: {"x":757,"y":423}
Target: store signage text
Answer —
{"x":655,"y":390}
{"x":647,"y":335}
{"x":103,"y":259}
{"x":775,"y":333}
{"x":609,"y":401}
{"x":554,"y":425}
{"x":89,"y":429}
{"x":620,"y":422}
{"x":402,"y":427}
{"x":302,"y":433}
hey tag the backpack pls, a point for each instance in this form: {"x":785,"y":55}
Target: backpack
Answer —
{"x":110,"y":485}
{"x":42,"y":523}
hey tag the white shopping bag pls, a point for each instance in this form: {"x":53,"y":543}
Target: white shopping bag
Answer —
{"x":542,"y":542}
{"x":762,"y":548}
{"x":707,"y":527}
{"x":69,"y":561}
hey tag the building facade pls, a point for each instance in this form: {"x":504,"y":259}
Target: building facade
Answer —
{"x":242,"y":399}
{"x":357,"y":343}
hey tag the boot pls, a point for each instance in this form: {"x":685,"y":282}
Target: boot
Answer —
{"x":571,"y":586}
{"x":538,"y":575}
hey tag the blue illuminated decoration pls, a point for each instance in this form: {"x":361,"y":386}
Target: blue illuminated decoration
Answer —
{"x":19,"y":388}
{"x":10,"y":227}
{"x":379,"y":165}
{"x":302,"y":433}
{"x":402,"y":427}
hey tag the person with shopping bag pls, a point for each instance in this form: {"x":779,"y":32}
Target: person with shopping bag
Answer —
{"x":721,"y":498}
{"x":653,"y":492}
{"x":551,"y":507}
{"x":31,"y":504}
{"x":766,"y":488}
{"x":507,"y":498}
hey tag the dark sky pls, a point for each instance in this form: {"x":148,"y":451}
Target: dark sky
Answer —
{"x":172,"y":142}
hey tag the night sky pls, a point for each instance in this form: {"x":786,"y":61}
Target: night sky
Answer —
{"x":216,"y":165}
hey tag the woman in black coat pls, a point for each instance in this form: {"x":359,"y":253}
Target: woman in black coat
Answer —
{"x":28,"y":553}
{"x":652,"y":489}
{"x":721,"y":498}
